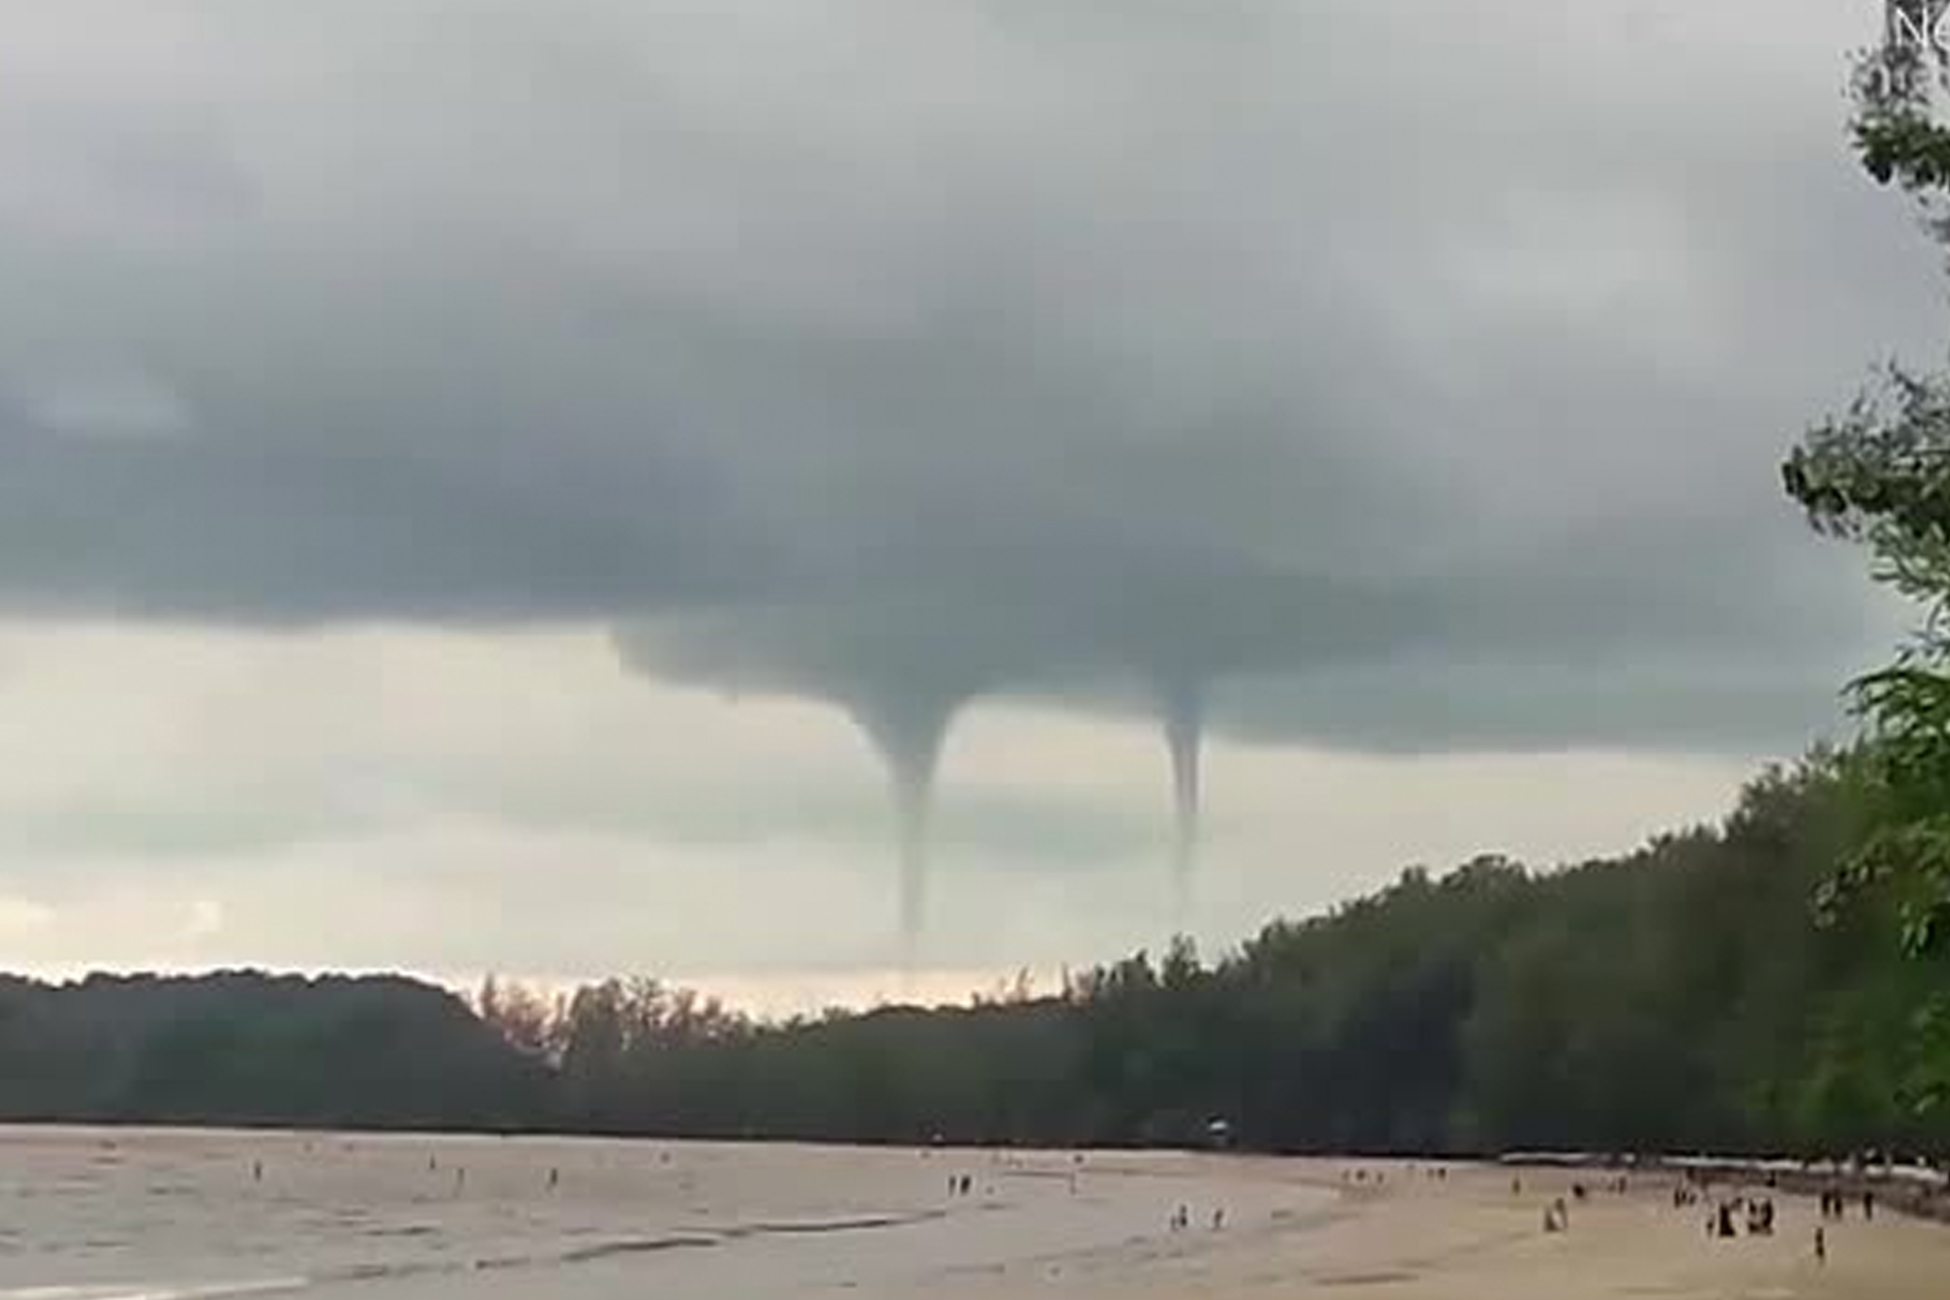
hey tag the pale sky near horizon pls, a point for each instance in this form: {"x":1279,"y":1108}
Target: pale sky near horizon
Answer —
{"x":465,"y":465}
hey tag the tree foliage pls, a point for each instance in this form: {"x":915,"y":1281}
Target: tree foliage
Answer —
{"x":244,"y":1048}
{"x":1681,"y":997}
{"x":1896,"y":84}
{"x":1880,"y":475}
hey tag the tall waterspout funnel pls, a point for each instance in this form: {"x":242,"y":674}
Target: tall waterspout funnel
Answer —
{"x":909,"y":736}
{"x":1184,"y":718}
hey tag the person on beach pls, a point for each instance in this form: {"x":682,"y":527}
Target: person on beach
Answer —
{"x":1868,"y":1203}
{"x":1760,"y":1218}
{"x":1821,"y":1245}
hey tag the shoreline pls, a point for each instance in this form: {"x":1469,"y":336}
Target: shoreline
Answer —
{"x":1913,"y":1189}
{"x":778,"y":1221}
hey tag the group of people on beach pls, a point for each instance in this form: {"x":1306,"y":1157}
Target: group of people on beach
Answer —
{"x":1759,"y":1213}
{"x":1834,"y":1205}
{"x":1181,"y":1219}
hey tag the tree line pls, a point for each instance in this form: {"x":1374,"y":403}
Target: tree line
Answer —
{"x":1692,"y":995}
{"x":242,"y":1048}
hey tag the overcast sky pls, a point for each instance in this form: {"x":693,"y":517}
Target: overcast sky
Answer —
{"x":464,"y":467}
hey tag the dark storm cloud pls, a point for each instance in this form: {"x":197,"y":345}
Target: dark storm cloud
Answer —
{"x":233,"y":527}
{"x":904,"y":353}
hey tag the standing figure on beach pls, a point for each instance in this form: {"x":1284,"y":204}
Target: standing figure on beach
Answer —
{"x":1760,"y":1217}
{"x":1821,"y":1245}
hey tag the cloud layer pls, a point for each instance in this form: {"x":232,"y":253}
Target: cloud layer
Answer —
{"x":1382,"y":369}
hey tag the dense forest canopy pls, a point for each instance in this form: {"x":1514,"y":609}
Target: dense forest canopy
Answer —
{"x":1879,"y":475}
{"x":1684,"y":997}
{"x":250,"y":1049}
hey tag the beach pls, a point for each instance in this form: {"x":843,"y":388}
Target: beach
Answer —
{"x":127,"y":1215}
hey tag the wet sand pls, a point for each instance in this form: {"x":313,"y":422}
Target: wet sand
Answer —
{"x":166,"y":1216}
{"x":1468,"y":1237}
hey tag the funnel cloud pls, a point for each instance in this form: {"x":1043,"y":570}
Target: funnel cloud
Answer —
{"x":1184,"y":717}
{"x":909,"y":356}
{"x":909,"y":735}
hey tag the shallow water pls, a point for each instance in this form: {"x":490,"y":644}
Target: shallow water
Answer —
{"x":132,"y":1215}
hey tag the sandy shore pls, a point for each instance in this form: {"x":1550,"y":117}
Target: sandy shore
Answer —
{"x":100,"y":1215}
{"x":1469,"y":1237}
